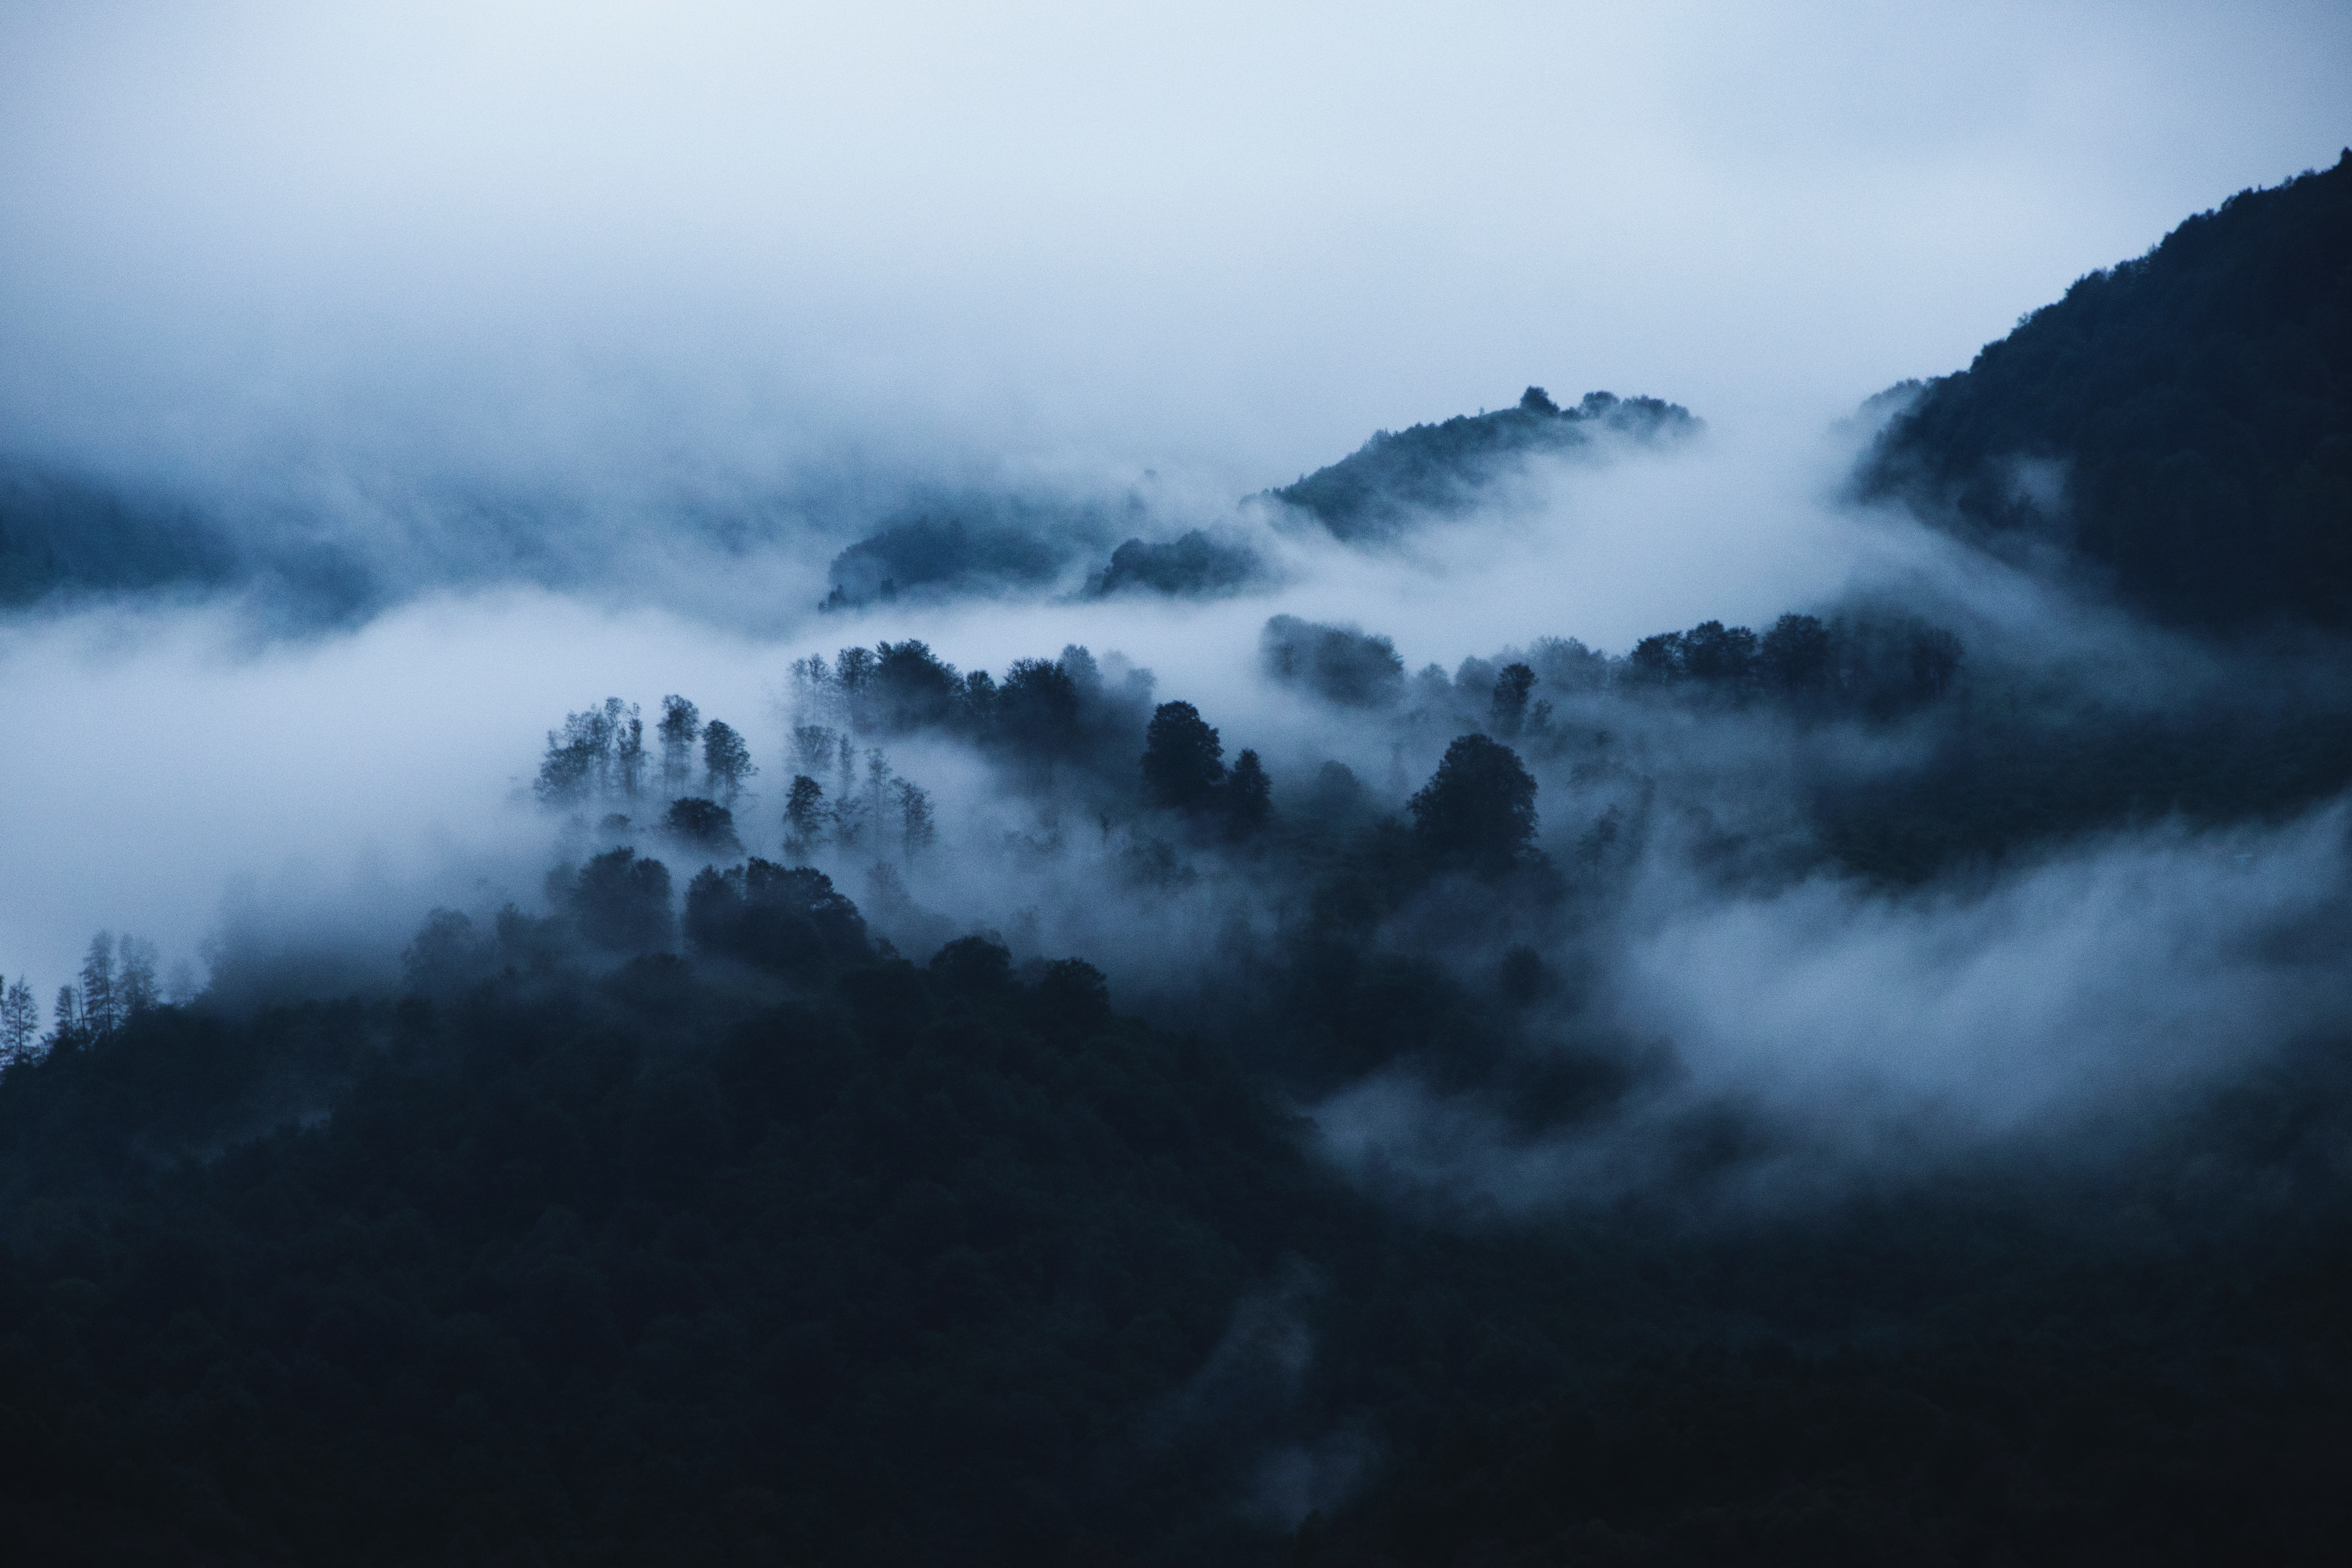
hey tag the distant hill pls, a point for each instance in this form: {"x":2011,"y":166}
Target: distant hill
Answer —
{"x":1442,"y":468}
{"x":2182,"y":424}
{"x":59,"y":534}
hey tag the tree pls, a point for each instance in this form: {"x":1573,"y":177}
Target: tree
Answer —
{"x":629,"y":752}
{"x":1478,"y":811}
{"x":1657,"y":660}
{"x":725,"y":761}
{"x":1248,"y":796}
{"x":134,"y":982}
{"x":681,"y":723}
{"x":1720,"y":653}
{"x":877,"y":786}
{"x":787,"y":918}
{"x":916,"y":829}
{"x":804,"y":817}
{"x":622,"y":903}
{"x":66,"y":1026}
{"x":812,"y":748}
{"x":853,"y":677}
{"x":1796,"y":655}
{"x":20,"y":1021}
{"x":1037,"y":709}
{"x":912,"y":688}
{"x":578,"y":760}
{"x":1182,"y":759}
{"x":703,"y":825}
{"x":1512,"y":684}
{"x":99,"y":1008}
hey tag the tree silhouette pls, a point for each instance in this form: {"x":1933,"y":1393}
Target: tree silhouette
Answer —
{"x":725,"y":761}
{"x":1478,"y":811}
{"x":703,"y":825}
{"x":101,"y":1009}
{"x":1795,"y":656}
{"x":1182,"y":759}
{"x":1248,"y":796}
{"x":1509,"y":707}
{"x":681,"y":724}
{"x":805,"y":816}
{"x":622,"y":904}
{"x":20,"y":1020}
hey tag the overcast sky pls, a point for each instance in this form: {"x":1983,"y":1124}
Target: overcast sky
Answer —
{"x":541,"y":238}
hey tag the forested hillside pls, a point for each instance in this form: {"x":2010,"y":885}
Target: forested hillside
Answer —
{"x":1443,"y":468}
{"x":2181,"y":423}
{"x":1870,"y":1085}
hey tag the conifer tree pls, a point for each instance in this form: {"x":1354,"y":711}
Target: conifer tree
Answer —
{"x":66,"y":1026}
{"x":20,"y":1020}
{"x":681,"y":724}
{"x":99,"y":1009}
{"x":134,"y":981}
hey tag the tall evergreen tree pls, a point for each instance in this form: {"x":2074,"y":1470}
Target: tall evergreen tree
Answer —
{"x":136,"y":991}
{"x":99,"y":1008}
{"x":66,"y":1020}
{"x":20,"y":1020}
{"x":680,"y":726}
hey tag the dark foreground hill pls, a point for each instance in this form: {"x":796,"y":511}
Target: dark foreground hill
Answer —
{"x":800,"y":1253}
{"x":2181,"y":423}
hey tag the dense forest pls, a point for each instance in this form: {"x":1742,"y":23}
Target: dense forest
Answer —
{"x":2181,"y":423}
{"x":1043,"y":1114}
{"x":693,"y":1220}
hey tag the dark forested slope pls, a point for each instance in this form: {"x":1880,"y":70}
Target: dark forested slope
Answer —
{"x":808,"y":1254}
{"x":1442,"y":468}
{"x":2182,"y":423}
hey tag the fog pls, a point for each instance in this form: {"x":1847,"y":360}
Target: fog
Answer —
{"x":527,"y":358}
{"x":634,"y":248}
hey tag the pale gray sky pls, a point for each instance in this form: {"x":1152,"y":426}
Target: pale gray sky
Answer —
{"x":1233,"y":236}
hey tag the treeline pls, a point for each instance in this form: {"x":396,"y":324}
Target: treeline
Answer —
{"x":1872,"y":664}
{"x":117,"y":984}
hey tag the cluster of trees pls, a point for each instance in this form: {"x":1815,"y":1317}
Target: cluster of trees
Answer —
{"x":2182,"y":423}
{"x":1879,"y":665}
{"x":863,"y":811}
{"x":1875,"y":664}
{"x":599,"y":754}
{"x":1191,"y":565}
{"x":118,"y":984}
{"x":1047,"y":714}
{"x":1184,"y":772}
